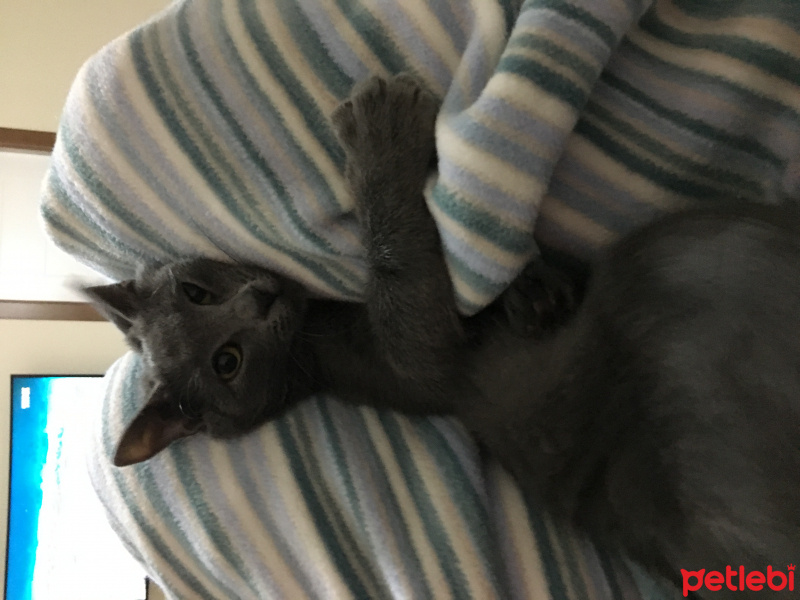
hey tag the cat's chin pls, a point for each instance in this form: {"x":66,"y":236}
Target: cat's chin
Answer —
{"x":223,"y":426}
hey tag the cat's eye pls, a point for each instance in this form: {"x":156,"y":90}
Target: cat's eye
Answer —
{"x":227,"y":361}
{"x":196,"y":294}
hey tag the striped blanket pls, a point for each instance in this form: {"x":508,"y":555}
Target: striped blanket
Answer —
{"x":340,"y":502}
{"x":564,"y":124}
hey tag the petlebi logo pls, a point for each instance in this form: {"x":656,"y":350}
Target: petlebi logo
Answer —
{"x":738,"y":580}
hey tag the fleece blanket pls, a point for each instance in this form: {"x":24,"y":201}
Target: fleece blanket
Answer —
{"x":564,"y":124}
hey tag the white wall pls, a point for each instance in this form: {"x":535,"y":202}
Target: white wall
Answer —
{"x":32,"y":267}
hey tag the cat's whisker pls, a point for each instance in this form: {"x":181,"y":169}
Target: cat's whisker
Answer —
{"x":309,"y":335}
{"x":311,"y":376}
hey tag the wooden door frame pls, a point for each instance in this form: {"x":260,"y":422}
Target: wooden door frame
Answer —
{"x":27,"y":140}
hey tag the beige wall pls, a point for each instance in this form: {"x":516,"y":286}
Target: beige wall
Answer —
{"x":43,"y":43}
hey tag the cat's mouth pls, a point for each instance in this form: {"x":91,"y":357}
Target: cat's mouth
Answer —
{"x":224,"y":424}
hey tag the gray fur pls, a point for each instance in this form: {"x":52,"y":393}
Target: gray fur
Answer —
{"x":664,"y":416}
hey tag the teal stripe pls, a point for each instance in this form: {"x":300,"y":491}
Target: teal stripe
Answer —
{"x":213,"y":94}
{"x":701,"y":128}
{"x":547,"y":79}
{"x":75,"y":244}
{"x":400,"y":530}
{"x":716,"y":174}
{"x":571,"y":564}
{"x":649,"y":588}
{"x":446,"y":555}
{"x":559,"y":54}
{"x":647,"y":168}
{"x":555,"y":580}
{"x":171,"y":120}
{"x":206,"y":518}
{"x":482,"y":223}
{"x":323,"y":65}
{"x":98,"y":245}
{"x":768,"y":59}
{"x":334,"y":445}
{"x":578,"y":15}
{"x":783,"y":11}
{"x":319,"y":516}
{"x":272,"y":117}
{"x":157,"y":542}
{"x":209,"y":157}
{"x":340,"y":522}
{"x":479,"y":283}
{"x":344,"y":469}
{"x":107,"y":197}
{"x":511,"y":9}
{"x":610,"y":572}
{"x":120,"y":118}
{"x":156,"y":91}
{"x":266,"y":509}
{"x":374,"y":36}
{"x":471,"y":505}
{"x":315,"y":121}
{"x":708,"y":82}
{"x":131,"y":390}
{"x":144,"y":480}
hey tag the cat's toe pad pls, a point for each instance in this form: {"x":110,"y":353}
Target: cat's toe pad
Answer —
{"x":540,"y":300}
{"x":387,"y":119}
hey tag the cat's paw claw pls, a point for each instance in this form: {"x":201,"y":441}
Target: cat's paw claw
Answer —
{"x":540,"y":300}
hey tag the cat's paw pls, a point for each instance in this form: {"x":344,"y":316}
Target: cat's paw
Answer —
{"x":388,"y":123}
{"x":541,"y":299}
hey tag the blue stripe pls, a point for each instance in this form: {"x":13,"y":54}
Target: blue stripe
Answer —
{"x":272,"y":117}
{"x":143,"y":478}
{"x":241,"y":137}
{"x":264,"y":510}
{"x":399,"y":528}
{"x":206,"y":170}
{"x":373,"y":35}
{"x":108,"y":199}
{"x":446,"y":555}
{"x":207,"y":519}
{"x":482,"y":223}
{"x":315,"y":122}
{"x":471,"y":504}
{"x":316,"y":507}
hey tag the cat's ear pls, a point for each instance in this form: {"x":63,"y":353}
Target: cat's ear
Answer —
{"x":118,"y":302}
{"x":156,"y":426}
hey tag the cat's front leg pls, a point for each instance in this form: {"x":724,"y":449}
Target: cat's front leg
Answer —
{"x":387,"y":130}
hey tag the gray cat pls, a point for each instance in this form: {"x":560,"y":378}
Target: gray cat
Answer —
{"x":663,"y":417}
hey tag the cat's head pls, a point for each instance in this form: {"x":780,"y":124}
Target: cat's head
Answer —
{"x":215,"y":341}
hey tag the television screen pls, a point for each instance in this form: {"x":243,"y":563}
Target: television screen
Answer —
{"x":60,"y":545}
